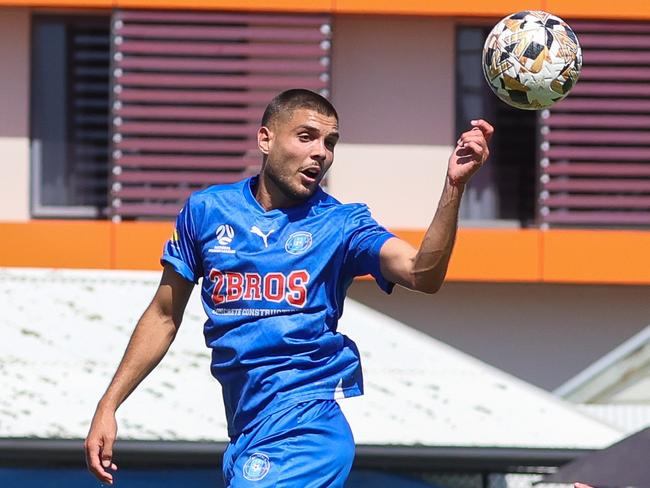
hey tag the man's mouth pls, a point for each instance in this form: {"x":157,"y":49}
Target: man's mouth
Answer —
{"x":311,"y":173}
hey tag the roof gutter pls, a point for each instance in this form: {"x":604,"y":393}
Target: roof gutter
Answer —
{"x":47,"y":452}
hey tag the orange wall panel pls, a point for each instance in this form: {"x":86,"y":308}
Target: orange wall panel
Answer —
{"x":596,"y":256}
{"x":628,"y":9}
{"x":413,"y":237}
{"x":243,"y":5}
{"x":433,"y":7}
{"x":56,"y":244}
{"x":139,"y":245}
{"x":261,"y":5}
{"x":59,"y":3}
{"x":496,"y":255}
{"x":490,"y":254}
{"x":482,"y":255}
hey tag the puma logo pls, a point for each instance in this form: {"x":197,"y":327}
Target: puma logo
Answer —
{"x":256,"y":230}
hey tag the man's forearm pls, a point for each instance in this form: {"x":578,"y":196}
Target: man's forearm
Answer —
{"x":425,"y":269}
{"x":431,"y":261}
{"x":148,"y":344}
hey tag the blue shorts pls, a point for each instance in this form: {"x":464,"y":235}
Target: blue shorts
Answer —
{"x":307,"y":445}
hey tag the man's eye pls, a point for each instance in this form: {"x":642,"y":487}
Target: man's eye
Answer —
{"x":304,"y":137}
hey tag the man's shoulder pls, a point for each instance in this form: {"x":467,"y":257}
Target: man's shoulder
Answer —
{"x":327,"y":202}
{"x":216,"y":192}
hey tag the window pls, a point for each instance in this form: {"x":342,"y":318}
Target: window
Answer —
{"x":504,"y":191}
{"x":69,"y":115}
{"x":131,"y":113}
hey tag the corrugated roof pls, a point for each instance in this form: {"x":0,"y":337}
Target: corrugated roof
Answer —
{"x":622,"y":376}
{"x":628,"y":418}
{"x":64,"y":331}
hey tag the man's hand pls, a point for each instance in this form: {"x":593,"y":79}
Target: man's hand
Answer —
{"x":99,"y":445}
{"x":470,"y":153}
{"x":425,"y":269}
{"x":149,"y":342}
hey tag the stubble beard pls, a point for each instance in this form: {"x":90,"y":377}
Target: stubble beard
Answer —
{"x":287,"y":190}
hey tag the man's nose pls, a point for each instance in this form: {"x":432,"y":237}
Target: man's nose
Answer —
{"x":319,"y":152}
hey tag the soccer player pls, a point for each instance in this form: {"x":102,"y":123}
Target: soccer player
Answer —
{"x":275,"y":255}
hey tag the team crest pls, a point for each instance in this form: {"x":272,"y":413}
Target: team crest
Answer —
{"x":298,"y":242}
{"x":257,"y":466}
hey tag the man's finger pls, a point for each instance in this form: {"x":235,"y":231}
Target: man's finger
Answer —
{"x":475,"y":134}
{"x":484,"y":127}
{"x":92,"y":452}
{"x":477,"y":150}
{"x":474,"y":142}
{"x":107,"y":454}
{"x":94,"y":464}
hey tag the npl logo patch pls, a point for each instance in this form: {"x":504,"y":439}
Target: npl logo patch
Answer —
{"x":225,"y":234}
{"x":257,"y":466}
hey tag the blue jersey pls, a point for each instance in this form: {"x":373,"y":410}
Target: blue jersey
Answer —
{"x":273,"y":289}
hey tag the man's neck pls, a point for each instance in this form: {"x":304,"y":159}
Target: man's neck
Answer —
{"x":269,"y":196}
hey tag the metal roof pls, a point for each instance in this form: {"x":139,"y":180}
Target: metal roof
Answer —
{"x":622,"y":376}
{"x":64,"y":331}
{"x":627,"y":418}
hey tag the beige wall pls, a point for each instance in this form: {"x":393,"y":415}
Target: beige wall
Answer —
{"x":542,"y":333}
{"x":14,"y":114}
{"x":397,"y":129}
{"x":400,"y":183}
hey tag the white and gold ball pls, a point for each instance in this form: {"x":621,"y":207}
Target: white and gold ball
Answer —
{"x":532,"y":59}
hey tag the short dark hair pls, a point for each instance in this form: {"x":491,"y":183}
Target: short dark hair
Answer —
{"x":288,"y":101}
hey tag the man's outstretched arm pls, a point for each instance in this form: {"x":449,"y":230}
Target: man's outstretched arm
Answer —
{"x":425,"y":269}
{"x":149,"y":342}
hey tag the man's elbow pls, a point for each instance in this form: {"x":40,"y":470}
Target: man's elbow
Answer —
{"x":430,"y":289}
{"x":428,"y":286}
{"x":428,"y":279}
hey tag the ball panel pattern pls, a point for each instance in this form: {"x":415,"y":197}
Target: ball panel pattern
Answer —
{"x":531,"y":59}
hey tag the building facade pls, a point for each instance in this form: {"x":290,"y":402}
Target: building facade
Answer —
{"x":113,"y":111}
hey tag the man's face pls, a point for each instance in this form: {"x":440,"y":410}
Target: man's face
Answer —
{"x":299,"y":150}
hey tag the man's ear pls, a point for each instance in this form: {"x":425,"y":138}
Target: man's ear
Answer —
{"x":264,"y":136}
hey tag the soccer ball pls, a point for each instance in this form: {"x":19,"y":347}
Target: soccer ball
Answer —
{"x":531,"y":59}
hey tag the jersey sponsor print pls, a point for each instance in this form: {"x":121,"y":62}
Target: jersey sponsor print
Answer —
{"x":278,"y":287}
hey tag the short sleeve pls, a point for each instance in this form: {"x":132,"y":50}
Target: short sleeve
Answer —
{"x":365,"y":238}
{"x":180,"y":249}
